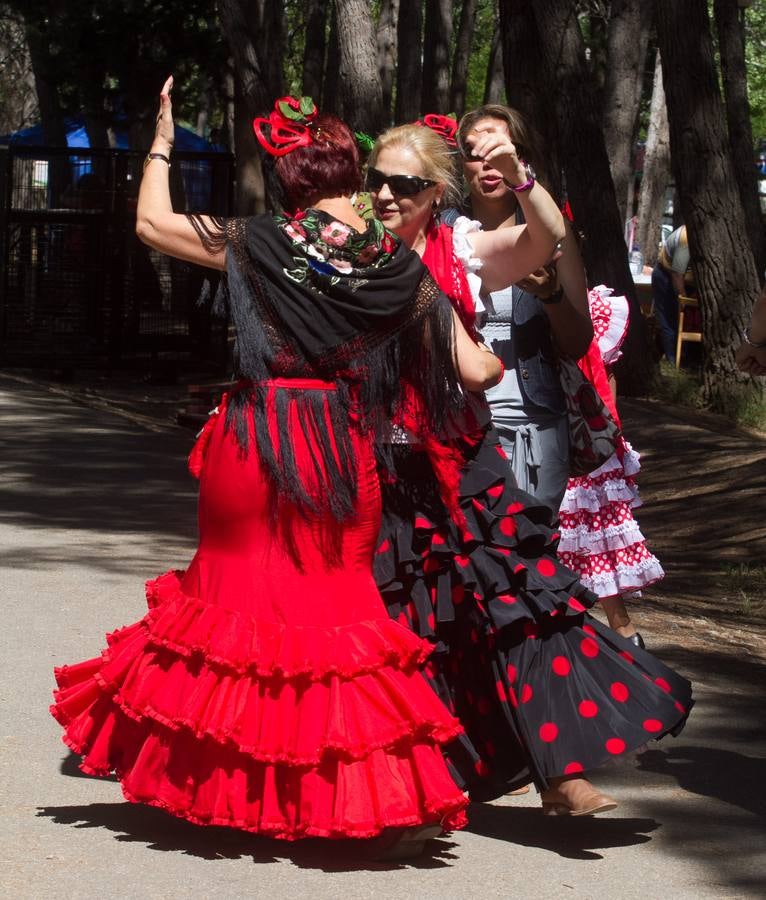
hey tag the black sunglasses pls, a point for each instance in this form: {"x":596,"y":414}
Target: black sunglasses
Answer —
{"x":399,"y":185}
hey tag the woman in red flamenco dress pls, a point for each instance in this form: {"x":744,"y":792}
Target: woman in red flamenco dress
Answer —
{"x":266,"y":688}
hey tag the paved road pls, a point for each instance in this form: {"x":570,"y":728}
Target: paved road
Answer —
{"x":91,"y":505}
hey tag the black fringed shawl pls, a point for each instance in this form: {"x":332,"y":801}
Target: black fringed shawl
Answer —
{"x":372,"y":321}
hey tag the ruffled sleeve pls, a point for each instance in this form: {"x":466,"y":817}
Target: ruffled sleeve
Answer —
{"x":610,"y":317}
{"x":464,"y":251}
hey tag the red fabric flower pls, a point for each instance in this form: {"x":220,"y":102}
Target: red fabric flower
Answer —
{"x":444,"y":126}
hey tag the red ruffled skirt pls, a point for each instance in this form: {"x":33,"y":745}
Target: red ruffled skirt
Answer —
{"x":262,"y":693}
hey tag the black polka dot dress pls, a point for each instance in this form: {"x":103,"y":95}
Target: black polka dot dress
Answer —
{"x":541,"y":688}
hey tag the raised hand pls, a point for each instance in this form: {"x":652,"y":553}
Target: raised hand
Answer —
{"x":164,"y":132}
{"x":542,"y":283}
{"x":494,"y":147}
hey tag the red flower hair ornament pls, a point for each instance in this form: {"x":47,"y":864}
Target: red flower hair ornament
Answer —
{"x":444,"y":126}
{"x":288,"y":126}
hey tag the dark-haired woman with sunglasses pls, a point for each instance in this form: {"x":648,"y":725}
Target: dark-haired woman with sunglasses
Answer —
{"x":543,"y":691}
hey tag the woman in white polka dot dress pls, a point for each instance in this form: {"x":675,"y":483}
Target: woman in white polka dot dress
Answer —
{"x":600,"y":539}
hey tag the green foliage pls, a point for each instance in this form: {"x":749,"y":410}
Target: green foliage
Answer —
{"x":678,"y":386}
{"x":484,"y":29}
{"x":755,"y":55}
{"x":745,"y":583}
{"x":683,"y":387}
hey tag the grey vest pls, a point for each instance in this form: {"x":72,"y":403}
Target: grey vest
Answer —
{"x":530,"y":348}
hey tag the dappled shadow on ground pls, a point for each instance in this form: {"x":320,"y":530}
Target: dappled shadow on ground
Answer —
{"x":159,"y":831}
{"x":70,"y":467}
{"x":717,"y":813}
{"x":704,"y":496}
{"x":573,"y":838}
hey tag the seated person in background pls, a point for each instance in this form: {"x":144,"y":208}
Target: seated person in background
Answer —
{"x":671,"y":276}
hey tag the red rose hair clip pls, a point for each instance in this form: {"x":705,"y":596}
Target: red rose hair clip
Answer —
{"x":287,"y":127}
{"x":444,"y":126}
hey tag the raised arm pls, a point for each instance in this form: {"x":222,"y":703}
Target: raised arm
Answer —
{"x":156,"y":223}
{"x":509,"y":254}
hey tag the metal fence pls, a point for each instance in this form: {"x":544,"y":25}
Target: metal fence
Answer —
{"x":76,"y":285}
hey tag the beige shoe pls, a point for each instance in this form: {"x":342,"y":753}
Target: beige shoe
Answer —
{"x":404,"y":843}
{"x":587,"y":802}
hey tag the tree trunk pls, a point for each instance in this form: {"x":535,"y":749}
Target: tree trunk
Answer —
{"x":731,"y":43}
{"x":597,"y":58}
{"x":268,"y":28}
{"x":314,"y":50}
{"x":462,"y":56}
{"x":436,"y":54}
{"x":17,"y":81}
{"x":331,"y":94}
{"x":252,"y":97}
{"x":51,"y":116}
{"x":250,"y":197}
{"x":722,"y":261}
{"x":387,"y":45}
{"x":494,"y":86}
{"x":656,"y":176}
{"x":627,"y":41}
{"x":590,"y":189}
{"x":360,"y":81}
{"x":409,"y":69}
{"x":522,"y":64}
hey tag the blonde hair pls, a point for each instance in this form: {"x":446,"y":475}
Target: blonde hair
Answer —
{"x":432,"y":152}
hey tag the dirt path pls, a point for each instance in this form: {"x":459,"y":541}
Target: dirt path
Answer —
{"x":703,"y":484}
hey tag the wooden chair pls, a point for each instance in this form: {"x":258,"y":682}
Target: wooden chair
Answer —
{"x":694,"y":335}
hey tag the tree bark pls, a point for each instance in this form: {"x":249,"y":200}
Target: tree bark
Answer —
{"x":722,"y":261}
{"x":462,"y":56}
{"x":597,"y":59}
{"x":250,"y":189}
{"x":436,"y":55}
{"x":268,"y":27}
{"x":524,"y":87}
{"x":51,"y":115}
{"x":409,"y":69}
{"x":252,"y":97}
{"x":360,"y":81}
{"x":17,"y":81}
{"x":731,"y":44}
{"x":331,"y":93}
{"x":590,"y":189}
{"x":494,"y":86}
{"x":387,"y":47}
{"x":656,"y":175}
{"x":314,"y":50}
{"x":627,"y":42}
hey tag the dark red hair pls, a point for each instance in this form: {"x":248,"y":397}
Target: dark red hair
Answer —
{"x":327,"y":167}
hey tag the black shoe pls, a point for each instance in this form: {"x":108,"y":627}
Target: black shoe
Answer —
{"x":637,"y":640}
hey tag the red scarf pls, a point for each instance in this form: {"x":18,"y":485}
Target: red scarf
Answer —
{"x":448,"y":272}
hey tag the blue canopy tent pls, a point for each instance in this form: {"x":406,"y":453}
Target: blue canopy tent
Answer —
{"x":196,"y":172}
{"x":77,"y":136}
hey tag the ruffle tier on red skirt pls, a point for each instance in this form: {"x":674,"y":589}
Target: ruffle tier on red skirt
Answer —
{"x":286,"y":731}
